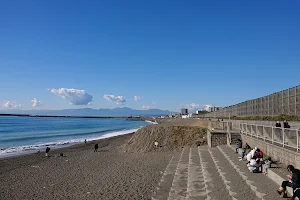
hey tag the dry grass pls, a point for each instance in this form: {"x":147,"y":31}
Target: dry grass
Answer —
{"x":168,"y":136}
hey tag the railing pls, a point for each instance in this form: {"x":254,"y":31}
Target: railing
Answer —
{"x":285,"y":137}
{"x":222,"y":125}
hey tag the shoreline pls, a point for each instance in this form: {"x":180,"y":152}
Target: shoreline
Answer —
{"x":82,"y":173}
{"x":55,"y":148}
{"x":63,"y":148}
{"x":33,"y":148}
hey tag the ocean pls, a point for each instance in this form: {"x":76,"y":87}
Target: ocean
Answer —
{"x":20,"y":135}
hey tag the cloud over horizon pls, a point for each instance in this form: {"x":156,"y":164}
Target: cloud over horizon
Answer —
{"x":137,"y":98}
{"x":74,"y":96}
{"x":192,"y":106}
{"x":35,"y":102}
{"x":115,"y":99}
{"x":11,"y":104}
{"x":145,"y":107}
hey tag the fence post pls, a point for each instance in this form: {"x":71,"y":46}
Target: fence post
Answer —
{"x":272,"y":134}
{"x":282,"y":111}
{"x":289,"y":101}
{"x":297,"y":140}
{"x":256,"y":131}
{"x":283,"y":138}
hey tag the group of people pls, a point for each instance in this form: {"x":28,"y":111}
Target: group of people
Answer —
{"x":256,"y":164}
{"x":285,"y":124}
{"x":255,"y":159}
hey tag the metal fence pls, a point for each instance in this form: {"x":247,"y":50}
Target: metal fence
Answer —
{"x":288,"y":138}
{"x":219,"y":125}
{"x":283,"y":102}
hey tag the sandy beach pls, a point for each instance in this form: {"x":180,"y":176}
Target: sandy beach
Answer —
{"x":109,"y":173}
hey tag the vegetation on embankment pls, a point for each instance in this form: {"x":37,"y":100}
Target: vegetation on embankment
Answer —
{"x":168,"y":136}
{"x":269,"y":118}
{"x":262,"y":118}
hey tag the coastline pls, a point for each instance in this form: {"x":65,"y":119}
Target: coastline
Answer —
{"x":82,"y":173}
{"x":29,"y":149}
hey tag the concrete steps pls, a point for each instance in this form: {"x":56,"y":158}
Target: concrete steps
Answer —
{"x":263,"y":186}
{"x":212,"y":173}
{"x":179,"y":185}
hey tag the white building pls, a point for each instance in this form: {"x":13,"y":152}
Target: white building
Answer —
{"x":210,"y":108}
{"x":186,"y":116}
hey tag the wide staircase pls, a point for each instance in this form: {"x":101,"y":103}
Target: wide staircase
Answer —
{"x":212,"y":174}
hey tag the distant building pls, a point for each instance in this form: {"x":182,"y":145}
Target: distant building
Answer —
{"x":200,"y":111}
{"x":212,"y":108}
{"x":186,"y":116}
{"x":184,"y":111}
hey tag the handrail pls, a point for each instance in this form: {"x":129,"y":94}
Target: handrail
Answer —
{"x":286,"y":136}
{"x":271,"y":126}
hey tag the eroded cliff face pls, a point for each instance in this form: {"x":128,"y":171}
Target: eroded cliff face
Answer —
{"x":169,"y":137}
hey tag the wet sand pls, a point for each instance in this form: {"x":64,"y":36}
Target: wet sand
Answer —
{"x":109,"y":173}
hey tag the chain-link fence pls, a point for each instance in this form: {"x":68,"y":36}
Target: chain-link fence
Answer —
{"x":283,"y":102}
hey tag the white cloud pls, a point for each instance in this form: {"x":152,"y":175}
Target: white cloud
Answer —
{"x":35,"y":102}
{"x":137,"y":98}
{"x":11,"y":104}
{"x":193,"y":106}
{"x":116,"y":99}
{"x":154,"y":102}
{"x":74,"y":96}
{"x":207,"y":107}
{"x":145,"y":107}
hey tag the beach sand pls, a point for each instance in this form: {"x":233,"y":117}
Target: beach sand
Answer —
{"x":83,"y":174}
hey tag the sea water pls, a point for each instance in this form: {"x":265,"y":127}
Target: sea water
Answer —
{"x":20,"y":135}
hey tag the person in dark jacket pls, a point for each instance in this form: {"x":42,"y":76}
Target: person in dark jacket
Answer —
{"x":47,"y":151}
{"x":96,"y":147}
{"x":278,"y":124}
{"x":296,"y":194}
{"x":286,"y":124}
{"x":293,"y":181}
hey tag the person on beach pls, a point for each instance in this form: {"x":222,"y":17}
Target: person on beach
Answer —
{"x":266,"y":165}
{"x":237,"y":147}
{"x":85,"y":142}
{"x":293,"y":181}
{"x":258,"y":153}
{"x":242,"y":154}
{"x":47,"y":151}
{"x":96,"y":147}
{"x":251,"y":154}
{"x":253,"y":165}
{"x":296,"y":194}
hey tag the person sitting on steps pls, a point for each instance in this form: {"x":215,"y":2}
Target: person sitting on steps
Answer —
{"x":293,"y":181}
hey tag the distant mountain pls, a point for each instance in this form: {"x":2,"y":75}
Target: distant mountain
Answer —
{"x":91,"y":112}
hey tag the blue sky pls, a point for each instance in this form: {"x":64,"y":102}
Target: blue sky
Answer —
{"x":173,"y":53}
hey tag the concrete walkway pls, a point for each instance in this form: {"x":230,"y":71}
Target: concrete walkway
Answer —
{"x":212,"y":174}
